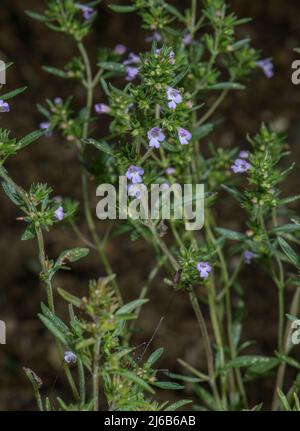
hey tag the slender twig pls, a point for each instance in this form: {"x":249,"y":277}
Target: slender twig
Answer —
{"x":96,"y":373}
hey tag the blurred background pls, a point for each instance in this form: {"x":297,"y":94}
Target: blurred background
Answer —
{"x":275,"y":30}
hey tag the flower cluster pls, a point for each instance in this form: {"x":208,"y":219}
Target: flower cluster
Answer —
{"x":156,"y":137}
{"x":135,"y":175}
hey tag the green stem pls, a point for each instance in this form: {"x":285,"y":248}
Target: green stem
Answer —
{"x":206,"y":342}
{"x":96,"y":373}
{"x":81,"y":382}
{"x":90,"y":83}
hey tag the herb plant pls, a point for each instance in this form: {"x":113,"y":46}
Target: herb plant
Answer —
{"x":161,"y":105}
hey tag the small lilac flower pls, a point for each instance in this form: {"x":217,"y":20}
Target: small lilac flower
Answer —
{"x":132,"y":73}
{"x":59,"y":213}
{"x":101,"y":108}
{"x":132,"y":59}
{"x":174,"y":97}
{"x":4,"y":106}
{"x":70,"y":358}
{"x":136,"y":190}
{"x":204,"y":269}
{"x":248,"y":256}
{"x":244,"y":154}
{"x":240,"y":166}
{"x":155,"y":136}
{"x":187,"y":39}
{"x":45,"y":125}
{"x":87,"y":11}
{"x":120,"y":49}
{"x":58,"y":101}
{"x":172,"y":57}
{"x":155,"y":36}
{"x":134,"y":174}
{"x":170,"y":170}
{"x":184,"y":136}
{"x":267,"y":67}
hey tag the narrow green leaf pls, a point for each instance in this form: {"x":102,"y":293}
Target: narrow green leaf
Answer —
{"x":174,"y":11}
{"x":122,"y":9}
{"x":248,"y":361}
{"x":54,"y":330}
{"x":288,"y":360}
{"x":134,"y":378}
{"x":36,"y":16}
{"x":233,"y":192}
{"x":56,"y":72}
{"x":112,"y":67}
{"x":287,"y":249}
{"x":227,"y":86}
{"x":177,"y":405}
{"x":12,"y":193}
{"x":13,"y":93}
{"x":230,"y":234}
{"x":100,"y":145}
{"x":31,"y":137}
{"x":286,"y":228}
{"x":128,"y":308}
{"x":168,"y":385}
{"x":155,"y":356}
{"x":69,"y":297}
{"x":207,"y":398}
{"x":54,"y":319}
{"x":72,"y":255}
{"x":284,"y":400}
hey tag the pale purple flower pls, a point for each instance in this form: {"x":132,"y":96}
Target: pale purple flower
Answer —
{"x":45,"y":125}
{"x":187,"y":39}
{"x":155,"y":136}
{"x":170,"y":170}
{"x":87,"y":11}
{"x":155,"y":36}
{"x":244,"y":154}
{"x":240,"y":166}
{"x":267,"y":67}
{"x":59,"y":213}
{"x":70,"y":358}
{"x":184,"y":136}
{"x":132,"y":73}
{"x":174,"y":97}
{"x":58,"y":101}
{"x":132,"y":59}
{"x":172,"y":57}
{"x":134,"y":174}
{"x":136,"y":190}
{"x":204,"y":269}
{"x":4,"y":106}
{"x":120,"y":49}
{"x":248,"y":256}
{"x":101,"y":108}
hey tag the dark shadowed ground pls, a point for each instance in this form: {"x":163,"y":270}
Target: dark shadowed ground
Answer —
{"x":276,"y":31}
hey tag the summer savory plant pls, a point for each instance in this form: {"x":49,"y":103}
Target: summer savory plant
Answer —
{"x":161,"y":104}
